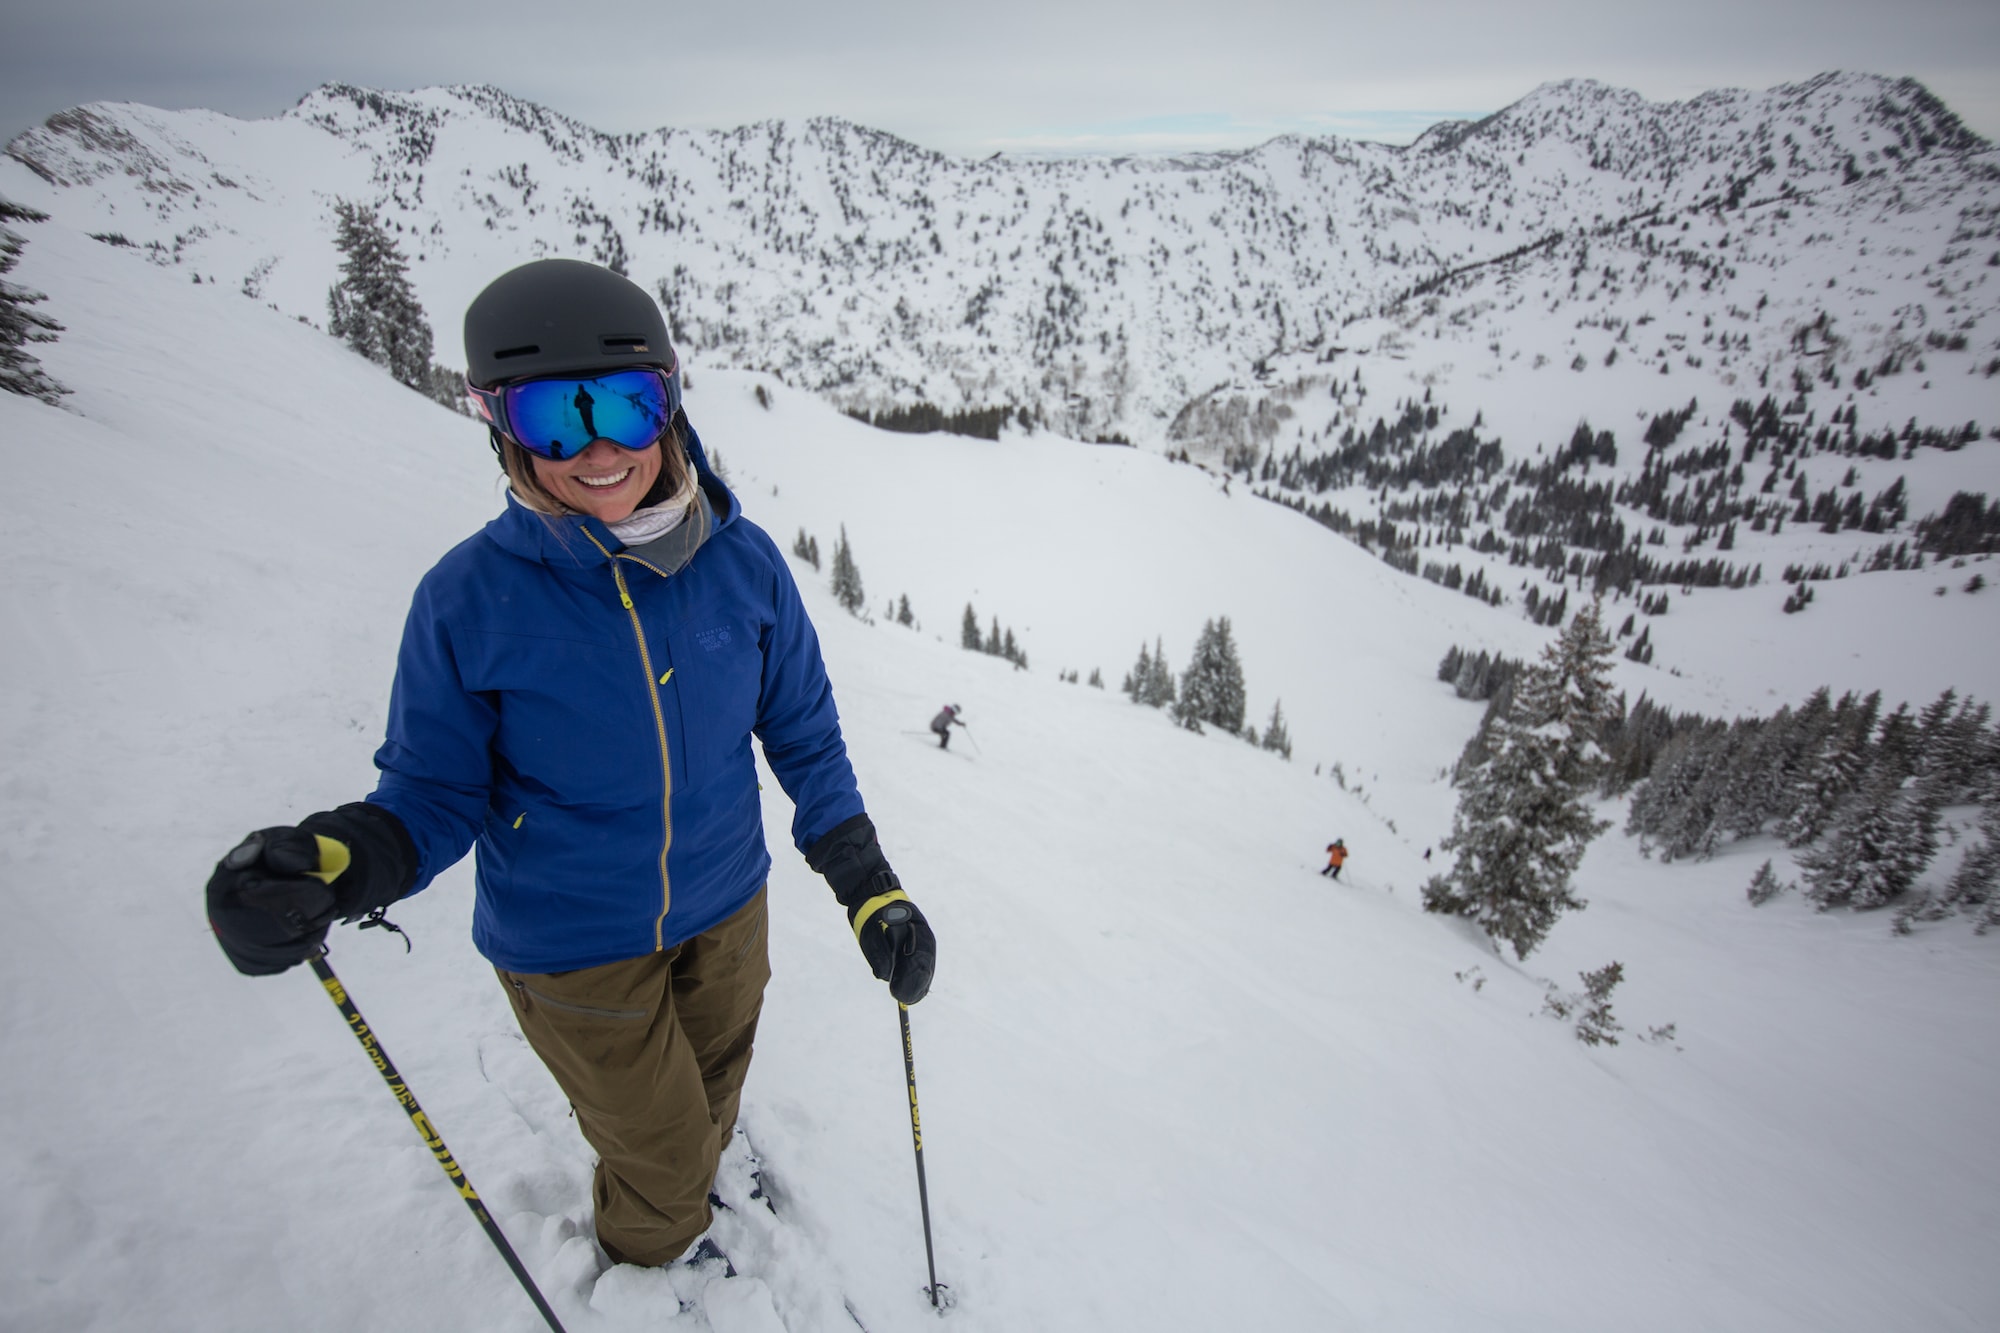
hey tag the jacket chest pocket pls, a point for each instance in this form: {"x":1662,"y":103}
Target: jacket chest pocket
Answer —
{"x":718,"y":676}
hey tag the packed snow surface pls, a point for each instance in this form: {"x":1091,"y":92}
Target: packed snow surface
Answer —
{"x":1170,"y":1077}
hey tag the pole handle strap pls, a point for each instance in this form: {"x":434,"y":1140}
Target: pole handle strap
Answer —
{"x":874,"y":905}
{"x":334,"y":858}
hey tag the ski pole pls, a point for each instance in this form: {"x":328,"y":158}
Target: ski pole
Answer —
{"x":975,"y":741}
{"x":432,"y":1140}
{"x":917,"y":1137}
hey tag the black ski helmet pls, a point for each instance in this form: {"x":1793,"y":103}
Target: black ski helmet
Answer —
{"x":562,"y":317}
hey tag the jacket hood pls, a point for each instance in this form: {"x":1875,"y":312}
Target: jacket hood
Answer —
{"x":573,"y":541}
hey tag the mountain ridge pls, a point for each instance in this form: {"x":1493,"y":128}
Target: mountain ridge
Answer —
{"x":1096,"y":296}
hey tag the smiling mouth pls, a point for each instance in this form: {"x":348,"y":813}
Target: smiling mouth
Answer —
{"x":604,"y":483}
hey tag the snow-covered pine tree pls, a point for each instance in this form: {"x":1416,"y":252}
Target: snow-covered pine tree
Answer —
{"x":1661,"y":804}
{"x":968,"y":630}
{"x":1975,"y":887}
{"x":1523,"y":819}
{"x":1212,"y":686}
{"x":1590,"y":1008}
{"x":1151,"y":681}
{"x":1953,"y":746}
{"x":1136,"y":679}
{"x":1704,"y":818}
{"x":1160,"y":683}
{"x":1276,"y":736}
{"x":846,"y":577}
{"x":373,"y":308}
{"x":1475,"y":752}
{"x":807,"y":549}
{"x":1750,"y":796}
{"x":1827,"y":778}
{"x":903,"y":616}
{"x":1594,"y":1024}
{"x":20,"y":370}
{"x":1803,"y":738}
{"x":1764,"y":885}
{"x":1881,"y":839}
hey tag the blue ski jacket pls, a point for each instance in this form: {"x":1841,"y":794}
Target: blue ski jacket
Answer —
{"x":585,"y":718}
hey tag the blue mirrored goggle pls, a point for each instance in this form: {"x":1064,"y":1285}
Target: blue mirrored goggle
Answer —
{"x":557,"y":417}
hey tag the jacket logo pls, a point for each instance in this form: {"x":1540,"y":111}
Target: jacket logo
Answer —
{"x":712,"y":639}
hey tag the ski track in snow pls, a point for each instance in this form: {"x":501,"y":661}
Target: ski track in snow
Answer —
{"x":1170,"y":1077}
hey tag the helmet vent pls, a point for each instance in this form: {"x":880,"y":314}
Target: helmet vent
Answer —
{"x":506,"y":352}
{"x":613,"y":346}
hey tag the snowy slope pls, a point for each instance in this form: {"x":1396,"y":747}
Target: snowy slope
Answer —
{"x":1171,"y":1078}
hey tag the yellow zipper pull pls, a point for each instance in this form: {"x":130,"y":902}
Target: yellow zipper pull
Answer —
{"x":669,"y":676}
{"x":625,"y":599}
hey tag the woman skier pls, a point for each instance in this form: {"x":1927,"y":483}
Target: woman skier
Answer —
{"x":575,"y":696}
{"x":943,"y":723}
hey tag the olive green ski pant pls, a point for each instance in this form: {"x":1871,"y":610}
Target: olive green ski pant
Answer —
{"x":651,"y":1052}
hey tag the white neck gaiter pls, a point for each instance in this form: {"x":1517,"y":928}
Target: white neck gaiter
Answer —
{"x":656,"y":521}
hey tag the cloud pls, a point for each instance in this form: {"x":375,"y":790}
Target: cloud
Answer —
{"x":1035,"y":75}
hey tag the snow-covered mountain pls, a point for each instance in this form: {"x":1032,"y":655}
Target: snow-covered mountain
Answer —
{"x":1171,"y":1079}
{"x":1840,"y":224}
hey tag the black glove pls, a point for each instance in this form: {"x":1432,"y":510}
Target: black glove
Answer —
{"x":272,"y":898}
{"x":894,"y":937}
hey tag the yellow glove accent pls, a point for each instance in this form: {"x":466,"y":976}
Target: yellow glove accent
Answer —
{"x":334,"y":858}
{"x":876,"y":904}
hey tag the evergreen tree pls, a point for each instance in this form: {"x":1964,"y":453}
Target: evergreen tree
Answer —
{"x":993,"y":644}
{"x":1138,"y":677}
{"x":1591,"y":1008}
{"x":846,"y":578}
{"x":1523,"y":822}
{"x":20,"y":370}
{"x":1975,"y":887}
{"x":1159,"y":680}
{"x":1827,"y":778}
{"x":1750,"y":796}
{"x":807,"y":549}
{"x":903,"y":616}
{"x":373,"y":308}
{"x":1276,"y":737}
{"x":1661,"y":805}
{"x":968,"y":630}
{"x":1953,"y":746}
{"x":1765,"y":885}
{"x":1594,"y":1024}
{"x":1096,"y":680}
{"x":1880,"y":839}
{"x":1211,"y":689}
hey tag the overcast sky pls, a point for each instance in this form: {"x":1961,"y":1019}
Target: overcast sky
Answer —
{"x":1033,"y":75}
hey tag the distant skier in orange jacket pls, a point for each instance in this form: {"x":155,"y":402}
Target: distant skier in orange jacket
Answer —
{"x":1336,"y":857}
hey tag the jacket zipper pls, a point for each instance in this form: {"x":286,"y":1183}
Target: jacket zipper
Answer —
{"x":660,"y":730}
{"x":588,"y":1010}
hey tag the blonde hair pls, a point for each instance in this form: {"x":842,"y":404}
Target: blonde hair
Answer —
{"x":676,"y":468}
